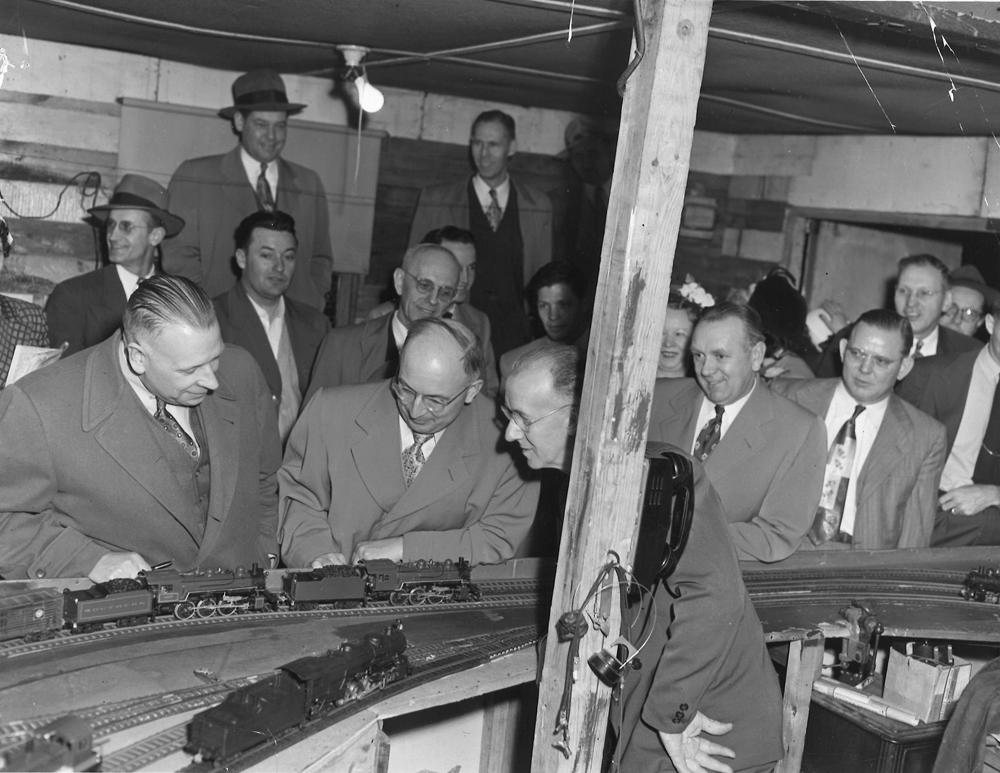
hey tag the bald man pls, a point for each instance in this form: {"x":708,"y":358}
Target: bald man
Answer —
{"x":427,"y":284}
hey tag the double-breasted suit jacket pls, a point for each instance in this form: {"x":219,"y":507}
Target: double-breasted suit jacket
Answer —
{"x":897,"y":488}
{"x":83,"y":471}
{"x":342,"y":483}
{"x":768,"y":469}
{"x":85,"y":309}
{"x":354,"y":354}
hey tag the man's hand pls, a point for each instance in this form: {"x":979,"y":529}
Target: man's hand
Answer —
{"x":833,"y":315}
{"x":111,"y":566}
{"x":691,"y":753}
{"x":328,"y":559}
{"x":969,"y":500}
{"x":391,"y":548}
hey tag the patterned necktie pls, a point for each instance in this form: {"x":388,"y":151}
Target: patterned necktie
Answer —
{"x":175,"y":430}
{"x":494,"y":214}
{"x":264,"y":190}
{"x":709,"y":436}
{"x":839,"y":463}
{"x":413,"y":458}
{"x":916,"y":352}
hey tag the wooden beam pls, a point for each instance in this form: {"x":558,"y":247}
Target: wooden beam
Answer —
{"x":647,"y":197}
{"x":805,"y":659}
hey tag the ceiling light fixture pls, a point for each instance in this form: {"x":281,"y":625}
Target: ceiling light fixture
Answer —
{"x":370,"y":99}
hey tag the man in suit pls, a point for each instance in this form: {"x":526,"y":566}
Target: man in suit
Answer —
{"x":213,"y":194}
{"x":900,"y":451}
{"x":369,"y":351}
{"x":158,"y":444}
{"x":765,"y":455}
{"x":21,"y":323}
{"x":405,"y":469}
{"x":923,"y":291}
{"x":960,"y":391}
{"x":86,"y":309}
{"x":283,"y":335}
{"x":711,"y":675}
{"x":970,"y":298}
{"x":511,"y":222}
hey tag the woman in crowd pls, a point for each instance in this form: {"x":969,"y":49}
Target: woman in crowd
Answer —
{"x":684,"y":305}
{"x":782,"y":311}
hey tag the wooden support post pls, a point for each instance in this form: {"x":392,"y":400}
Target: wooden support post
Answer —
{"x":805,"y":659}
{"x":647,"y":197}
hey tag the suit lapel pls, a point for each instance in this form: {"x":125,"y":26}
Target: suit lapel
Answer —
{"x":112,"y":293}
{"x":680,"y":422}
{"x":377,"y":455}
{"x":236,"y":186}
{"x":745,"y":436}
{"x":374,"y":343}
{"x":251,"y":336}
{"x":289,"y":195}
{"x":891,"y":445}
{"x":219,"y":415}
{"x":305,"y":338}
{"x":949,"y":389}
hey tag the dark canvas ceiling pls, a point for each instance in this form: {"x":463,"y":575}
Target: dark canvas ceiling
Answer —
{"x":774,"y":67}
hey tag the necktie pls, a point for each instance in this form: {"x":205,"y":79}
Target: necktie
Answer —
{"x":709,"y":436}
{"x":264,"y":190}
{"x":988,"y":463}
{"x":494,"y":214}
{"x":839,"y":463}
{"x":413,"y":457}
{"x":175,"y":430}
{"x":916,"y":351}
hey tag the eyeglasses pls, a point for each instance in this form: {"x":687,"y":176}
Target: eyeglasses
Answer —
{"x":921,"y":295}
{"x":427,"y":287}
{"x":968,"y":315}
{"x":125,"y":226}
{"x":524,"y":424}
{"x":434,"y":405}
{"x":878,"y":361}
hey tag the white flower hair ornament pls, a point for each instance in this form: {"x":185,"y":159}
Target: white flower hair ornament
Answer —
{"x":696,"y":294}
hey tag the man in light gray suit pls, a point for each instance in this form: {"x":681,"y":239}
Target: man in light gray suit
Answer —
{"x":892,"y":494}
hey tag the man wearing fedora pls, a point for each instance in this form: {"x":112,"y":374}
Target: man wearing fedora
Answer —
{"x":214,"y":193}
{"x":87,"y":309}
{"x":970,"y":298}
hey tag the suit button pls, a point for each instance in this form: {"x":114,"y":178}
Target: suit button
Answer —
{"x":684,"y":707}
{"x":40,"y":573}
{"x":636,"y":664}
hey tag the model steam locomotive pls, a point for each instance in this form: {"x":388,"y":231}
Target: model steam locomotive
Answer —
{"x":982,"y":584}
{"x":38,"y":614}
{"x":301,"y":690}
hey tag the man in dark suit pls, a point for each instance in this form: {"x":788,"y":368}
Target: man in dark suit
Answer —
{"x":282,"y":335}
{"x":923,"y":291}
{"x":765,"y":455}
{"x":405,"y":469}
{"x":705,"y":669}
{"x":900,"y":451}
{"x":86,"y":309}
{"x":960,"y":391}
{"x":21,"y":323}
{"x":213,"y":194}
{"x":511,"y":222}
{"x":369,"y":351}
{"x":159,"y":444}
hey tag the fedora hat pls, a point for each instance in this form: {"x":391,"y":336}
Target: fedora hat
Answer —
{"x":137,"y":192}
{"x":580,"y":129}
{"x":969,"y":276}
{"x":260,"y":90}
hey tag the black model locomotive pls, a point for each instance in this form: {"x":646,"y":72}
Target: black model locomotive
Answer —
{"x":982,"y":584}
{"x":65,"y":744}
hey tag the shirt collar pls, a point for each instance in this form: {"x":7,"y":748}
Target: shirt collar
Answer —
{"x":252,"y":168}
{"x":483,"y":188}
{"x":267,"y":316}
{"x":399,"y":330}
{"x":131,"y":281}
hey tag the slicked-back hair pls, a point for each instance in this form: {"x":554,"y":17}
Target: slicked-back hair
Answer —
{"x":450,"y":233}
{"x":928,"y":260}
{"x":271,"y":221}
{"x":165,"y":300}
{"x":564,"y":363}
{"x":889,"y":321}
{"x":752,"y":327}
{"x":470,"y":347}
{"x":556,"y":273}
{"x":496,"y":116}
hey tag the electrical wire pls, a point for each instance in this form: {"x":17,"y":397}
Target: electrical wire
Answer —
{"x":91,"y":178}
{"x":640,"y":49}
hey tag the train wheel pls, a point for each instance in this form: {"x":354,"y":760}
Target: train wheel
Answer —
{"x":227,"y":608}
{"x":418,"y":596}
{"x":398,"y":598}
{"x":436,"y":596}
{"x":205,"y":608}
{"x":184,"y":610}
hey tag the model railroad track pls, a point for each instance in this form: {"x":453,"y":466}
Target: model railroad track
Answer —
{"x":792,"y":587}
{"x":498,"y":593}
{"x":429,"y":662}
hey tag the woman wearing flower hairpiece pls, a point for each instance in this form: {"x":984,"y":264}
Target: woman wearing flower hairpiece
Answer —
{"x":684,"y":306}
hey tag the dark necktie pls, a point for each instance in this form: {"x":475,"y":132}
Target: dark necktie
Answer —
{"x":709,"y":436}
{"x":413,"y":457}
{"x":494,"y":214}
{"x":264,"y":190}
{"x":988,"y":463}
{"x":175,"y":430}
{"x":916,"y":352}
{"x":839,"y":462}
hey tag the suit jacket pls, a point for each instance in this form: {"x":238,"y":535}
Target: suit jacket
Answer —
{"x":213,"y":195}
{"x":20,"y":323}
{"x":241,"y":326}
{"x":353,"y":354}
{"x":939,"y":386}
{"x":83,"y":471}
{"x":86,"y":309}
{"x":342,"y":483}
{"x":705,"y":653}
{"x":448,"y":204}
{"x":897,"y":487}
{"x":768,"y":468}
{"x":949,"y":342}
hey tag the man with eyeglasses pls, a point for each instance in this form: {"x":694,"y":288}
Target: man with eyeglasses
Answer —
{"x":960,"y":390}
{"x":405,"y":469}
{"x":970,"y":297}
{"x":890,"y":489}
{"x":427,"y":284}
{"x":87,"y":309}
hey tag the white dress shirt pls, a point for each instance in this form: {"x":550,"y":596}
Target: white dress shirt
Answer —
{"x":961,"y":462}
{"x":929,"y":347}
{"x":707,"y":413}
{"x":130,"y":281}
{"x":273,"y":321}
{"x":252,"y":167}
{"x":482,"y":189}
{"x":399,"y":331}
{"x":406,"y":440}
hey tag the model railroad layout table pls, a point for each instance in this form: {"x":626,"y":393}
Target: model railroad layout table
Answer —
{"x":140,"y":686}
{"x":912,"y":593}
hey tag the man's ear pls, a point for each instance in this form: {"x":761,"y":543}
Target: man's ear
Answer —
{"x":397,"y":280}
{"x":905,"y":368}
{"x":843,"y":348}
{"x":156,"y":235}
{"x":136,"y":357}
{"x":241,"y":259}
{"x":238,"y":121}
{"x":473,"y":390}
{"x":512,"y":149}
{"x":757,"y":355}
{"x":946,"y":301}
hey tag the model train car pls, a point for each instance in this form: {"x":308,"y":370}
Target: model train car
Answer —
{"x":301,"y":690}
{"x":65,"y":744}
{"x":982,"y":584}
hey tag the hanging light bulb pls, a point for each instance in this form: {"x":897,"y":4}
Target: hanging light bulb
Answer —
{"x":370,"y":98}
